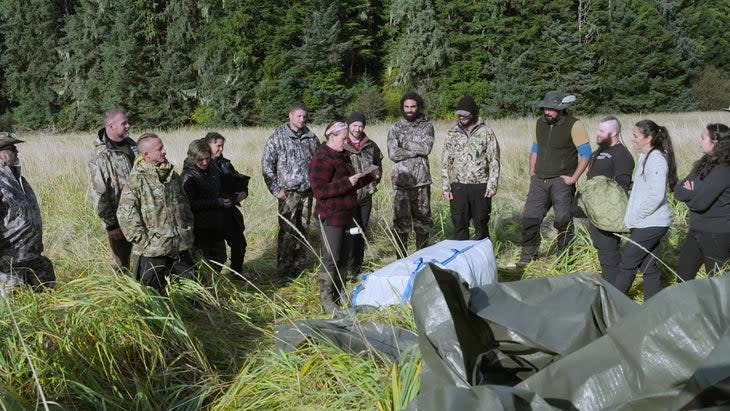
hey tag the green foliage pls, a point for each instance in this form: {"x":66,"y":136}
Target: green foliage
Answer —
{"x":202,"y":115}
{"x":711,"y":90}
{"x":62,"y":63}
{"x":368,"y":99}
{"x":30,"y":32}
{"x":419,"y":45}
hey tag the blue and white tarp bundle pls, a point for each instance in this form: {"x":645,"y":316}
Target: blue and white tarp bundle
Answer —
{"x":474,"y":261}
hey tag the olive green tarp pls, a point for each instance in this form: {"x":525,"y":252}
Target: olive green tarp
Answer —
{"x":571,"y":342}
{"x":555,"y":343}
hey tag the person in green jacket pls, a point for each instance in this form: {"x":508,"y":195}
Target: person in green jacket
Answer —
{"x":155,"y":216}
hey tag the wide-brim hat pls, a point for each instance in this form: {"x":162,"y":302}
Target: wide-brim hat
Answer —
{"x":556,"y":100}
{"x":7,"y":139}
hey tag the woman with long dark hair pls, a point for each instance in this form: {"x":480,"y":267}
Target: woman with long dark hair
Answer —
{"x":647,"y":214}
{"x":706,"y":190}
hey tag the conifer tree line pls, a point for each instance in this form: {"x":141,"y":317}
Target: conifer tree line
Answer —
{"x":242,"y":62}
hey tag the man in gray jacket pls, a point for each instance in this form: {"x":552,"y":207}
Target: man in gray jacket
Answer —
{"x":21,"y":231}
{"x":410,"y":141}
{"x":285,"y":168}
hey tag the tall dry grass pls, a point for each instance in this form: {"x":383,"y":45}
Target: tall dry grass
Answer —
{"x":103,"y":342}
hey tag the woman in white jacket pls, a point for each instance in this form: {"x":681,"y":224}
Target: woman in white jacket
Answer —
{"x":648,"y":215}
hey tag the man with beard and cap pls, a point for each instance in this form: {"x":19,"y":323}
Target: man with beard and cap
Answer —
{"x":285,"y":168}
{"x":470,"y":171}
{"x":21,"y":231}
{"x":410,"y":141}
{"x":364,"y":154}
{"x":613,"y":160}
{"x":559,"y":155}
{"x":109,"y":165}
{"x":155,"y":216}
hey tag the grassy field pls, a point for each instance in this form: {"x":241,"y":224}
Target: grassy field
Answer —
{"x":102,"y":342}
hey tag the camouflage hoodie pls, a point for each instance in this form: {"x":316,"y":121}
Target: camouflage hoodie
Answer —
{"x":285,"y":162}
{"x":368,"y":154}
{"x":108,"y":171}
{"x":154,"y":213}
{"x":21,"y":232}
{"x":409,"y":144}
{"x":470,"y":157}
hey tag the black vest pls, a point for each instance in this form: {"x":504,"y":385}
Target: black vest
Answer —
{"x":556,"y":153}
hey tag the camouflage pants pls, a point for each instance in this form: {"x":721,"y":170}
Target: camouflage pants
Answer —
{"x":294,"y":214}
{"x":38,"y":273}
{"x":412,"y":208}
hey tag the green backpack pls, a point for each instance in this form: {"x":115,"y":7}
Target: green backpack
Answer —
{"x":604,"y":202}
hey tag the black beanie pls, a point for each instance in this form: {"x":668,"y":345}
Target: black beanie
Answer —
{"x":356,"y":116}
{"x":467,"y":105}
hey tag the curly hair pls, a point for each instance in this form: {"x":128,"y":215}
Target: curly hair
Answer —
{"x":720,"y":134}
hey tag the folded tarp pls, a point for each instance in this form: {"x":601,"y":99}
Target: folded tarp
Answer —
{"x":362,"y":338}
{"x":571,"y":342}
{"x":474,"y":261}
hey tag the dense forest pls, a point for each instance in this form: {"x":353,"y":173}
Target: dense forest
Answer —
{"x":242,"y":62}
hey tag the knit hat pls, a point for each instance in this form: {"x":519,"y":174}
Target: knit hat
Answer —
{"x":556,"y":100}
{"x":7,"y":139}
{"x":356,"y":116}
{"x":467,"y":107}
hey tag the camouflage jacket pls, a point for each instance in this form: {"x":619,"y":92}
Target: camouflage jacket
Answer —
{"x":154,"y":213}
{"x":368,"y":154}
{"x":470,"y":157}
{"x":21,"y":232}
{"x":108,"y":171}
{"x":285,"y":162}
{"x":409,"y":144}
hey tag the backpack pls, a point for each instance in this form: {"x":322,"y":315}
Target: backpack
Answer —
{"x":604,"y":202}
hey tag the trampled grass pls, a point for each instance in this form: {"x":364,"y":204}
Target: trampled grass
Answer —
{"x":103,"y":342}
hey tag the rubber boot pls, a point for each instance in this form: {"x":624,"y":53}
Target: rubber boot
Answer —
{"x":326,"y":296}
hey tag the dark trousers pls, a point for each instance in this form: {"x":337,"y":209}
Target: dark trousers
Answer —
{"x":608,"y":246}
{"x":152,"y":271}
{"x":332,"y":247}
{"x":635,"y":258}
{"x":469,"y":203}
{"x":543,"y":194}
{"x":212,"y":246}
{"x":233,"y":232}
{"x":412,"y":208}
{"x":355,"y":243}
{"x":294,"y":214}
{"x":121,"y":254}
{"x":710,"y":249}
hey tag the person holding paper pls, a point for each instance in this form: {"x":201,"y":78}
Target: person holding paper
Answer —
{"x":334,"y":184}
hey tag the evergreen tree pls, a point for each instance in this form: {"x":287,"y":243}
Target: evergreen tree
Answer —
{"x":418,"y":44}
{"x":110,"y":58}
{"x":228,"y":62}
{"x":320,"y":65}
{"x":31,"y":30}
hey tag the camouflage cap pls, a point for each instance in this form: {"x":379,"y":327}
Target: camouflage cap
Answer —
{"x":7,"y":139}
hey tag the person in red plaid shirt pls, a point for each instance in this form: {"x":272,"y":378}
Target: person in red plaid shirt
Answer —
{"x":334,"y":184}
